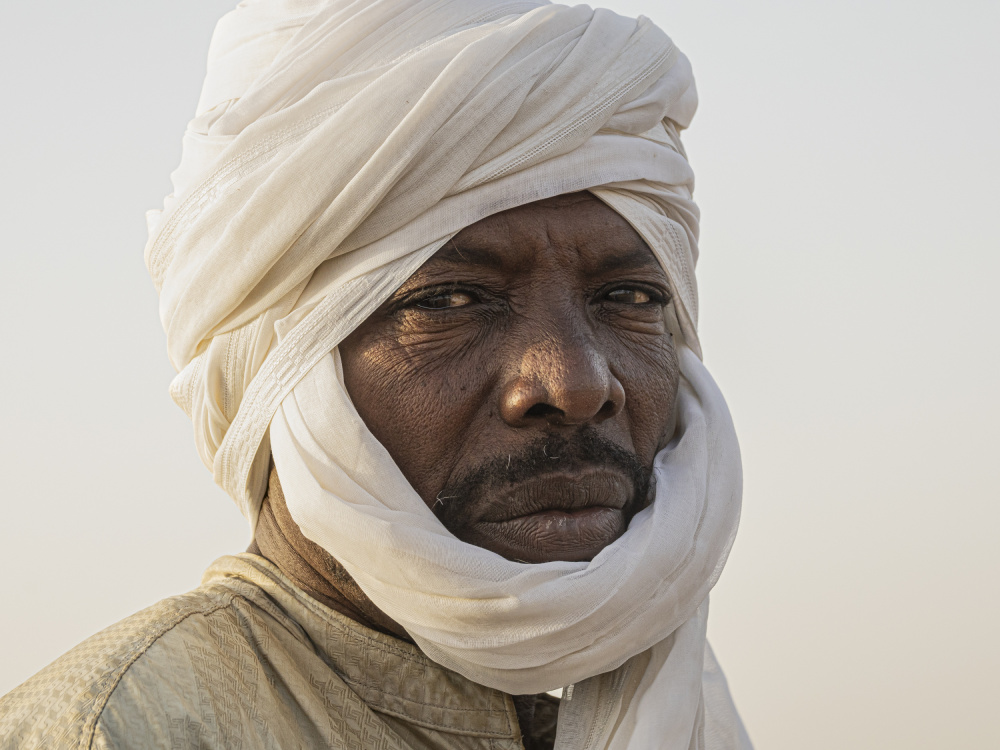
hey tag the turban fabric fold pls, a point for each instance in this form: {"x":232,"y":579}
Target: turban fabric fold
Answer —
{"x":337,"y":145}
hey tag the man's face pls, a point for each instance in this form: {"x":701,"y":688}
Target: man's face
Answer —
{"x":524,"y":378}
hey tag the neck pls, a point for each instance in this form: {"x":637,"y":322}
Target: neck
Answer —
{"x":310,"y":567}
{"x":315,"y":571}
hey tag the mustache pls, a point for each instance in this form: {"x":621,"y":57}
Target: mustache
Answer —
{"x":474,"y":490}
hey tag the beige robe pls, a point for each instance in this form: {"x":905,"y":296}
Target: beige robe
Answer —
{"x":250,"y":661}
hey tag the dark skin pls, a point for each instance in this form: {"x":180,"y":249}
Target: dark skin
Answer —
{"x":523,"y":379}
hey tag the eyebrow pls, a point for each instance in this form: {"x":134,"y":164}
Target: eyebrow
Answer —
{"x":638,"y":256}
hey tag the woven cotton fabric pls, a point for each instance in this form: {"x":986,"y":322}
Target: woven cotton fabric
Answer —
{"x":336,"y":147}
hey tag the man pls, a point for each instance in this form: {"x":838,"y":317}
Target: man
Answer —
{"x":427,"y":277}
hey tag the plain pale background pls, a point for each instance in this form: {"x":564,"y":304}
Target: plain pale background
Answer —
{"x":848,"y":172}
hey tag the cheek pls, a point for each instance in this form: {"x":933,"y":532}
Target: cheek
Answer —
{"x":419,"y":394}
{"x":648,"y":370}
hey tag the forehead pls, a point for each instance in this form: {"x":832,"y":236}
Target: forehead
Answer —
{"x":576,"y":226}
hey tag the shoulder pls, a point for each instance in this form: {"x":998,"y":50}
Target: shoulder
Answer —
{"x":134,"y":675}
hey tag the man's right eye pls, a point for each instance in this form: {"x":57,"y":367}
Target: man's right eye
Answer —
{"x":445,"y":301}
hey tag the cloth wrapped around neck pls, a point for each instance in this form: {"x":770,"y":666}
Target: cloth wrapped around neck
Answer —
{"x":337,"y":145}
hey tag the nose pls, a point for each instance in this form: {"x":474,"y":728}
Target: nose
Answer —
{"x":561,"y":383}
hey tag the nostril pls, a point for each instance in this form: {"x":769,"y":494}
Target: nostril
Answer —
{"x":544,"y":410}
{"x":608,"y":410}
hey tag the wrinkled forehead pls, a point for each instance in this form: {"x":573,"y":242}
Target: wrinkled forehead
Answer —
{"x":568,"y":218}
{"x":573,"y":229}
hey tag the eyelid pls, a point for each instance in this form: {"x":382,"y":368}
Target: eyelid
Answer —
{"x":413,"y":298}
{"x":657,"y":294}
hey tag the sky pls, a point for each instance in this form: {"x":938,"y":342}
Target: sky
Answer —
{"x":848,"y":172}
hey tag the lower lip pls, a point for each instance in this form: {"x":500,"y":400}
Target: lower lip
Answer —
{"x":559,"y":535}
{"x":568,"y":516}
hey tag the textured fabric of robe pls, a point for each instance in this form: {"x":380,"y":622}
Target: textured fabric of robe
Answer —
{"x":250,"y":661}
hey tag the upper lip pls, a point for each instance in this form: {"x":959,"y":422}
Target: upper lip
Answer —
{"x":561,"y":491}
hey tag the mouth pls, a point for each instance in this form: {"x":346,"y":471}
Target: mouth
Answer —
{"x":565,"y":493}
{"x":558,"y":516}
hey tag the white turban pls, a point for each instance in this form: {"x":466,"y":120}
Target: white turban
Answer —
{"x":337,"y":145}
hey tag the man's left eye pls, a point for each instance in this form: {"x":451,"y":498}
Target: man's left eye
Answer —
{"x":629,"y":296}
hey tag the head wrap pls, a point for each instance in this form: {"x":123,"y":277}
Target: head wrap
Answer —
{"x":337,"y":145}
